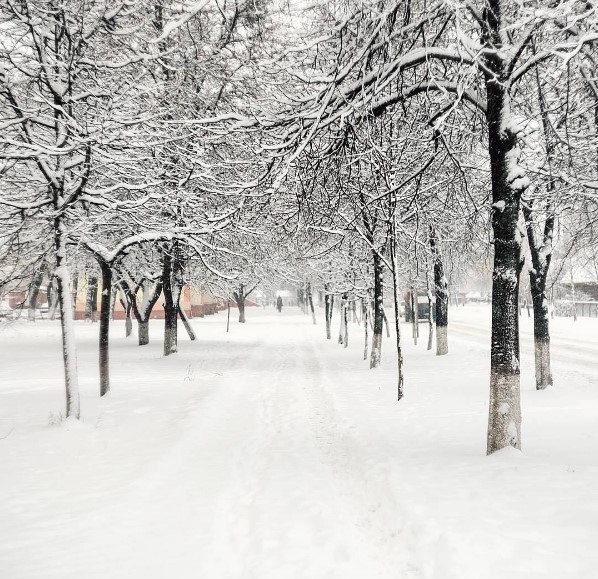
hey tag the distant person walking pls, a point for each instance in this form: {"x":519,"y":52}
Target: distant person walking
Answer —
{"x":279,"y":303}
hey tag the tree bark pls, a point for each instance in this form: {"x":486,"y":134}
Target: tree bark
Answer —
{"x":54,"y":301}
{"x":142,"y":315}
{"x":171,"y":302}
{"x":69,"y":347}
{"x":105,"y":327}
{"x":573,"y":298}
{"x":442,"y":297}
{"x":376,"y":354}
{"x":143,"y":332}
{"x":346,"y":323}
{"x":397,"y":301}
{"x":328,"y":304}
{"x":125,"y":302}
{"x":74,"y":292}
{"x":34,"y":292}
{"x":386,"y":325}
{"x":541,"y":256}
{"x":240,"y":301}
{"x":113,"y":298}
{"x":538,"y":274}
{"x":186,"y":323}
{"x":508,"y":183}
{"x":301,"y":299}
{"x":311,"y":303}
{"x":541,"y":341}
{"x":430,"y":319}
{"x":343,"y":320}
{"x":91,"y":302}
{"x":170,"y":328}
{"x":94,"y":301}
{"x":50,"y":291}
{"x":414,"y":315}
{"x":365,"y":307}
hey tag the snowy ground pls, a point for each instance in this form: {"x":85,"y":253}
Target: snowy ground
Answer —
{"x":270,"y":453}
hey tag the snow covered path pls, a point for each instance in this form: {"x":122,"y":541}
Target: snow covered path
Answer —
{"x":256,"y":475}
{"x":270,"y":453}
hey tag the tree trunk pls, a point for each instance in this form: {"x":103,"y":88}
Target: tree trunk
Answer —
{"x":105,"y":327}
{"x":113,"y":298}
{"x":50,"y":292}
{"x":186,"y":323}
{"x":128,"y":324}
{"x":541,"y":258}
{"x":91,"y":305}
{"x":34,"y":292}
{"x":239,"y":297}
{"x":126,"y":302}
{"x":364,"y":307}
{"x":541,"y":335}
{"x":538,"y":274}
{"x":384,"y":317}
{"x":54,"y":304}
{"x":328,"y":303}
{"x":346,"y":324}
{"x":442,"y":298}
{"x":301,"y":300}
{"x":74,"y":292}
{"x":170,"y":328}
{"x":142,"y":315}
{"x":397,"y":301}
{"x":69,"y":347}
{"x":414,"y":315}
{"x":508,"y":183}
{"x":343,"y":320}
{"x":171,"y":296}
{"x":376,"y":354}
{"x":573,"y":298}
{"x":430,"y":319}
{"x":311,"y":303}
{"x":143,"y":332}
{"x":241,"y":306}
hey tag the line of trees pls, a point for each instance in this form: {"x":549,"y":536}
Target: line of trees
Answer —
{"x":372,"y":147}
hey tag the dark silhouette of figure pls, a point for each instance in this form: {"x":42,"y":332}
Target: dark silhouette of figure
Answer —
{"x":279,"y":304}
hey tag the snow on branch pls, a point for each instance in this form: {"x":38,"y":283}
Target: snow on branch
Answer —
{"x":190,"y":9}
{"x":109,"y":256}
{"x":379,"y":106}
{"x":122,"y":186}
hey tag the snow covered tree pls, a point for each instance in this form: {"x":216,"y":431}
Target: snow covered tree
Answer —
{"x":383,"y":54}
{"x":59,"y":107}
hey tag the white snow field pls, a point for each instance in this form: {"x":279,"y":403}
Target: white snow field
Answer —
{"x":271,"y":453}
